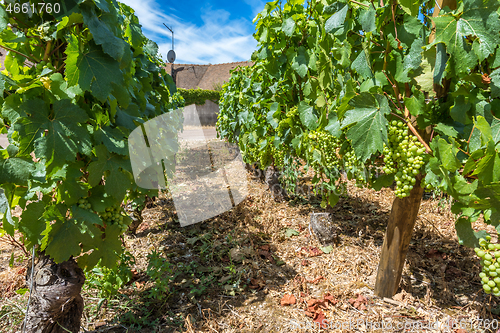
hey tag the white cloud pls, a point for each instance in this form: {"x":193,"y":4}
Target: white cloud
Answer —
{"x":257,"y":6}
{"x":220,"y":39}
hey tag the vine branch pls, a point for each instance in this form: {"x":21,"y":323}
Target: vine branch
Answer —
{"x":415,"y":132}
{"x":19,"y":53}
{"x":359,"y":3}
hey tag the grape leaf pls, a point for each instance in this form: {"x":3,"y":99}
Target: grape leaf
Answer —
{"x":488,"y":168}
{"x":288,"y":26}
{"x":112,"y":45}
{"x":58,"y":247}
{"x":72,"y":188}
{"x":333,"y":125}
{"x":415,"y":103}
{"x":495,"y":83}
{"x":448,"y":154}
{"x":370,"y":132}
{"x":446,"y":130}
{"x":307,"y":115}
{"x":63,"y":135}
{"x":466,"y":235}
{"x":478,"y":19}
{"x":113,"y":139}
{"x":299,"y":62}
{"x":367,"y":19}
{"x":87,"y":216}
{"x":92,"y":70}
{"x":410,"y":6}
{"x":4,"y":19}
{"x":16,"y":170}
{"x":5,"y":213}
{"x":110,"y":247}
{"x":336,"y":21}
{"x":410,"y":63}
{"x":32,"y":223}
{"x":360,"y":65}
{"x":117,"y":182}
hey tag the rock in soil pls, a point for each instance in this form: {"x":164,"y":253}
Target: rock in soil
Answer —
{"x":272,"y":181}
{"x":322,"y":226}
{"x":257,"y":173}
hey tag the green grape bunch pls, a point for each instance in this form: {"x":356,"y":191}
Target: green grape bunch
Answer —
{"x":115,"y":215}
{"x":278,"y":156}
{"x":328,"y":145}
{"x":250,"y":154}
{"x":84,"y":204}
{"x":292,"y":118}
{"x":404,"y":157}
{"x":490,"y":261}
{"x":353,"y":166}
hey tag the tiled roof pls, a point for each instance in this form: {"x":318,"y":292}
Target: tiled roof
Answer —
{"x":191,"y":76}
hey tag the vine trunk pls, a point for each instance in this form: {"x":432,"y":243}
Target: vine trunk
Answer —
{"x":397,"y":240}
{"x":56,"y":304}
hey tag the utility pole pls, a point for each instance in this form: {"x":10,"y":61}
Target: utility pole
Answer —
{"x":171,"y":53}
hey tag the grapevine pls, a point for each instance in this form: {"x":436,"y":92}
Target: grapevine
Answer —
{"x":88,"y":83}
{"x":346,"y":68}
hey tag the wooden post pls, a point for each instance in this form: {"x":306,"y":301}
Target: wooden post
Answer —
{"x":397,"y":240}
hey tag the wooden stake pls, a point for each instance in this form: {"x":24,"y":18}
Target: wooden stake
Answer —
{"x":397,"y":240}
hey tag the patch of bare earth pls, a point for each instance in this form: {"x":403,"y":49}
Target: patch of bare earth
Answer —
{"x":268,"y":272}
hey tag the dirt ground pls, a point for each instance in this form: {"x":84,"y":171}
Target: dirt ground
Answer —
{"x":268,"y":273}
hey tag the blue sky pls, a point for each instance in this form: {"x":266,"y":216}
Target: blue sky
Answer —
{"x":205,"y":31}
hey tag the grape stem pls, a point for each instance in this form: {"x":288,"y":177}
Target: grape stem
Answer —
{"x":47,"y":50}
{"x":470,"y":136}
{"x":414,"y":131}
{"x":21,"y":54}
{"x":361,"y":4}
{"x":397,"y":115}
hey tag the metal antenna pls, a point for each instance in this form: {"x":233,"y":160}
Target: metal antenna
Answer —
{"x":172,"y":34}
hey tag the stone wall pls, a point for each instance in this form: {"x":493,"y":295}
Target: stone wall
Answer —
{"x":207,"y":114}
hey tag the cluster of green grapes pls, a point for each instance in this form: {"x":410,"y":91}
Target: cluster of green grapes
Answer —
{"x":250,"y":154}
{"x":352,"y":166}
{"x":278,"y":156}
{"x":490,"y":256}
{"x":424,"y":185}
{"x":84,"y":204}
{"x":42,"y":65}
{"x":115,"y":215}
{"x":404,"y":157}
{"x":328,"y":145}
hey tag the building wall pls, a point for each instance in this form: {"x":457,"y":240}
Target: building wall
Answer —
{"x":207,"y":114}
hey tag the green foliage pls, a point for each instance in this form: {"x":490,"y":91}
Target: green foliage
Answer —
{"x":198,"y":96}
{"x":160,"y":272}
{"x":76,"y":84}
{"x":109,"y":280}
{"x":351,"y":69}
